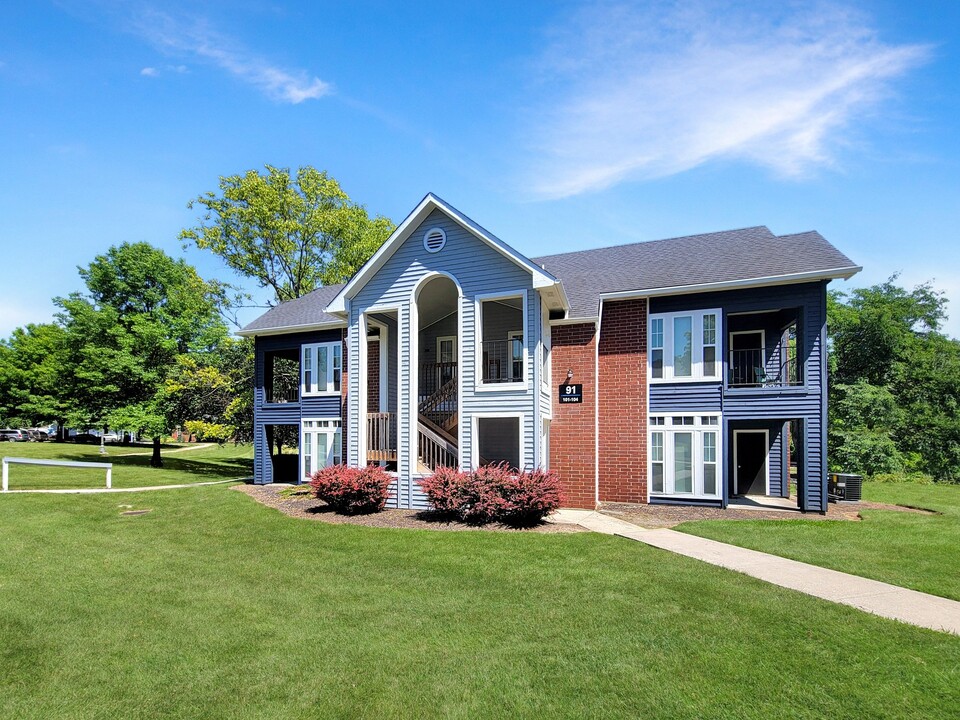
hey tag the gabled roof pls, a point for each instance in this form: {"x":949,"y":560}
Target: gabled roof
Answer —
{"x":304,"y":313}
{"x":749,"y":257}
{"x":541,"y":278}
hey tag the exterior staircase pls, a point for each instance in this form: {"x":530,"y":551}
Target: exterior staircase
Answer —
{"x":438,"y":417}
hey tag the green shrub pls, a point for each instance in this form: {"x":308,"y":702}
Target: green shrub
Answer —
{"x":917,"y":478}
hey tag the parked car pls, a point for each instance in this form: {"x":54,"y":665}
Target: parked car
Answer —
{"x":38,"y":434}
{"x":9,"y":435}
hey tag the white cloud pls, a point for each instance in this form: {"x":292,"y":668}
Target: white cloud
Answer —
{"x":149,"y":72}
{"x":631,"y":93}
{"x":195,"y":38}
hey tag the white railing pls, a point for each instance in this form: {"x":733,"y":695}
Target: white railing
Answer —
{"x":433,"y":449}
{"x":56,"y":463}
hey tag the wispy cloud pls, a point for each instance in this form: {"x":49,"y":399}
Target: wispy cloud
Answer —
{"x":195,"y":38}
{"x":149,"y":72}
{"x":632,"y":93}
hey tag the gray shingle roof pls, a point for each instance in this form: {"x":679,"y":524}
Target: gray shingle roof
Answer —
{"x":304,"y":311}
{"x":732,"y":255}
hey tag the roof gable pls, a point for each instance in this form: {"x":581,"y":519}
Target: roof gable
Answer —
{"x":429,"y":204}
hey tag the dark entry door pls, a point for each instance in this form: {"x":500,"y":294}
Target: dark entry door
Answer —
{"x":751,"y":460}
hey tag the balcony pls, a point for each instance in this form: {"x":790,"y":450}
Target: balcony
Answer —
{"x":381,"y":437}
{"x":753,"y":368}
{"x":502,"y":361}
{"x":281,"y":376}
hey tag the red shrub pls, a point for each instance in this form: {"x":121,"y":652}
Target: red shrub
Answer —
{"x":352,"y":491}
{"x":494,"y":492}
{"x":443,"y":490}
{"x":528,"y":497}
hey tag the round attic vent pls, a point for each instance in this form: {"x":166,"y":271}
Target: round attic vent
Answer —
{"x":434,"y":239}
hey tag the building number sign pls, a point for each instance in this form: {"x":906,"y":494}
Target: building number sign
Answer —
{"x":571,"y":393}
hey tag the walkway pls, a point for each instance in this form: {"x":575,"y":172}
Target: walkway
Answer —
{"x":91,"y":491}
{"x":879,"y":598}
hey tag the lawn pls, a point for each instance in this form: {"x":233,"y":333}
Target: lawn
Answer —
{"x":131,"y":465}
{"x":917,"y":551}
{"x":212,"y":606}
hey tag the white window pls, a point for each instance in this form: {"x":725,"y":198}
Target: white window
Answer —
{"x":320,"y":445}
{"x":683,"y":346}
{"x":502,"y":349}
{"x":321,"y":367}
{"x":685,"y":456}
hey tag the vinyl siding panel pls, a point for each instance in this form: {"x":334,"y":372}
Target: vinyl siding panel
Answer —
{"x":479,"y":270}
{"x":767,"y":406}
{"x":265,"y":414}
{"x":677,"y":397}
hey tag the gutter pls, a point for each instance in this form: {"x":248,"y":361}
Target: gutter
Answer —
{"x":283,"y":330}
{"x":844,"y":273}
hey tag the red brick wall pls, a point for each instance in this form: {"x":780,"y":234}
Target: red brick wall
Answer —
{"x":573,"y":428}
{"x":373,"y":375}
{"x":622,"y":361}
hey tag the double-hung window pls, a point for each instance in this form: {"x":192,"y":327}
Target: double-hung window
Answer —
{"x":683,"y":346}
{"x":685,"y":455}
{"x":321,"y":367}
{"x":321,"y":445}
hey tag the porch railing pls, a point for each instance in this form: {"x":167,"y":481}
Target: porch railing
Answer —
{"x":434,"y":376}
{"x":502,"y":361}
{"x":282,"y":394}
{"x":750,"y":368}
{"x":433,"y":449}
{"x":381,"y":436}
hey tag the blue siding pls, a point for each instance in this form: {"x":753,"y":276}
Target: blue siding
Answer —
{"x":265,"y":414}
{"x":680,"y":397}
{"x":767,"y":407}
{"x":479,"y":270}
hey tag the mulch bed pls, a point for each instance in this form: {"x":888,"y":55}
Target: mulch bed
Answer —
{"x":665,"y":516}
{"x":308,"y":508}
{"x":648,"y":516}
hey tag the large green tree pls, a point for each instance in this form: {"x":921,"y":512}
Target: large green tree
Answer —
{"x":894,"y":382}
{"x":32,"y":389}
{"x":290,"y":234}
{"x":142,"y":311}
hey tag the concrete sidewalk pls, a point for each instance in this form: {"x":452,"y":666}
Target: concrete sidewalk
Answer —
{"x":95,"y":491}
{"x":879,"y":598}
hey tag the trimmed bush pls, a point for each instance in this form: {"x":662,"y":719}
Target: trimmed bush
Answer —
{"x":528,"y":497}
{"x":443,"y":490}
{"x":352,"y":491}
{"x":494,"y":493}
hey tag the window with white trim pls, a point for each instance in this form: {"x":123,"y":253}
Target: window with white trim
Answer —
{"x":321,"y":445}
{"x":321,"y":368}
{"x":683,"y":346}
{"x":685,"y":456}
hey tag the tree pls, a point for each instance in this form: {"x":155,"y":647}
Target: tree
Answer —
{"x":214,"y":389}
{"x":895,"y":382}
{"x":288,"y":234}
{"x":32,"y":369}
{"x":142,"y":311}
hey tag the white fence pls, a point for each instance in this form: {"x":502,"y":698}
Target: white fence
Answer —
{"x":57,"y":463}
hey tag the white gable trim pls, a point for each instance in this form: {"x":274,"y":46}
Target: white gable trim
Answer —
{"x":541,"y":278}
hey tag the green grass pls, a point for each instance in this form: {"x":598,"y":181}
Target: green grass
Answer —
{"x":916,"y":551}
{"x":131,"y":465}
{"x":212,"y":606}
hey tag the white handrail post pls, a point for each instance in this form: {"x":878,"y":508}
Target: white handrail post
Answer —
{"x":109,"y":472}
{"x":6,"y":475}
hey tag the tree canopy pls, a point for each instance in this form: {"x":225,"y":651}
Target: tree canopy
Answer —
{"x":123,"y":337}
{"x":895,"y":382}
{"x":288,"y":234}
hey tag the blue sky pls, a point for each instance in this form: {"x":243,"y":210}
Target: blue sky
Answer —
{"x":556,"y":125}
